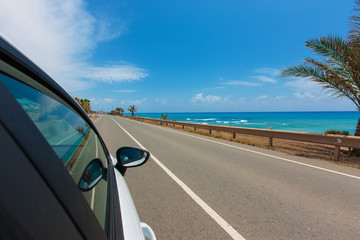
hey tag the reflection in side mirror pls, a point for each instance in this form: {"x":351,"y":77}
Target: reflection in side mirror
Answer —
{"x":147,"y":231}
{"x":131,"y":156}
{"x":92,"y":175}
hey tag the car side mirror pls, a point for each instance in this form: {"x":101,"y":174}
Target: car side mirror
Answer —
{"x":131,"y":157}
{"x":92,"y":175}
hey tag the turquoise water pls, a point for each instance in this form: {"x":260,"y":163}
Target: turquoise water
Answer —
{"x":314,"y":122}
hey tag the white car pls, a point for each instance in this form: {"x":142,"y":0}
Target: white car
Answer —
{"x":57,"y":178}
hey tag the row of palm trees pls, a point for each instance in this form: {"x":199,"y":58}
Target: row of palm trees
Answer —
{"x":120,"y":110}
{"x":84,"y":103}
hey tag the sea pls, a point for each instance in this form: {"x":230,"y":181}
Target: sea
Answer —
{"x":313,"y":122}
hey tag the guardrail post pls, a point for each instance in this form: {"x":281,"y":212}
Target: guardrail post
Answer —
{"x":183,"y":126}
{"x":337,"y":153}
{"x":234,"y":135}
{"x":210,"y":131}
{"x":194,"y":129}
{"x":270,"y":141}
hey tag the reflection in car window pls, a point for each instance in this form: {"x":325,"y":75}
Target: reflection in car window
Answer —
{"x":72,"y":139}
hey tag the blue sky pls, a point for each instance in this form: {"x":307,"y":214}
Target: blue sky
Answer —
{"x":178,"y":56}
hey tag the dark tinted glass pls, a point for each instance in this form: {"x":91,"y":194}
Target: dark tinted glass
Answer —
{"x":72,"y":139}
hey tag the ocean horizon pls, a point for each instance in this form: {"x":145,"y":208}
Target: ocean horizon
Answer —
{"x":312,"y":121}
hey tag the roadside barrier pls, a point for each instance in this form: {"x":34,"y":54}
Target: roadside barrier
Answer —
{"x":335,"y":140}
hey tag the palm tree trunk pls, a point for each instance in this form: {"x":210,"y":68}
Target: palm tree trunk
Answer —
{"x":356,"y":151}
{"x":357,"y":131}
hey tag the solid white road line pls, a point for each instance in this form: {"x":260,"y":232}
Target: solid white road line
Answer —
{"x":215,"y":216}
{"x":92,"y":198}
{"x":93,"y":191}
{"x":252,"y":151}
{"x":96,"y":119}
{"x":96,"y":147}
{"x":66,"y":138}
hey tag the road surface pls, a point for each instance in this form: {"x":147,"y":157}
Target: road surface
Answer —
{"x":196,"y":187}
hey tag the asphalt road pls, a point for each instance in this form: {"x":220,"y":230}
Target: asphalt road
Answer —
{"x":258,"y":193}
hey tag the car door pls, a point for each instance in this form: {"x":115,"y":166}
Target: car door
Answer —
{"x":52,"y":142}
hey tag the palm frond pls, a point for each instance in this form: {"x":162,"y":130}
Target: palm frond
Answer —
{"x":335,"y":49}
{"x":335,"y":75}
{"x":328,"y":80}
{"x":354,"y":33}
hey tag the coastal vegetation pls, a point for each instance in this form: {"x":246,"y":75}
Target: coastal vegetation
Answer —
{"x":84,"y":103}
{"x":132,"y":109}
{"x":119,"y":111}
{"x":164,"y":116}
{"x":339,"y":69}
{"x":337,"y":132}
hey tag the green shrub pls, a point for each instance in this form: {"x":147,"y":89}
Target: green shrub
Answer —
{"x":164,"y":116}
{"x":336,"y":132}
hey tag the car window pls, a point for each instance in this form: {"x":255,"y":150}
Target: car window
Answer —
{"x":72,"y":139}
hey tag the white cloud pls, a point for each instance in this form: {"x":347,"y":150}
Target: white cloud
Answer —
{"x":128,"y":102}
{"x":54,"y":34}
{"x":264,"y":79}
{"x":140,"y":101}
{"x":60,"y":36}
{"x":116,"y":73}
{"x":241,"y":83}
{"x":199,"y":98}
{"x":161,"y":100}
{"x":304,"y":95}
{"x":241,"y":100}
{"x":102,"y":103}
{"x":304,"y":85}
{"x":262,"y":97}
{"x":108,"y":30}
{"x":268,"y":71}
{"x":307,"y":89}
{"x":280,"y":97}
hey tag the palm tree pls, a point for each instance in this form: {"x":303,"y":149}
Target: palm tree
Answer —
{"x":121,"y":111}
{"x":84,"y":103}
{"x":164,"y":116}
{"x":339,"y":71}
{"x":132,"y":109}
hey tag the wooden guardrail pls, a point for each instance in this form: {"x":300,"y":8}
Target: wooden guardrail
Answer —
{"x":336,"y":140}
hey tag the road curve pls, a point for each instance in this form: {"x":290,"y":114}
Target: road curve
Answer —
{"x":260,"y":193}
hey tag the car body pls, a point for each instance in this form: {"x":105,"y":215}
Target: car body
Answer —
{"x":57,"y":178}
